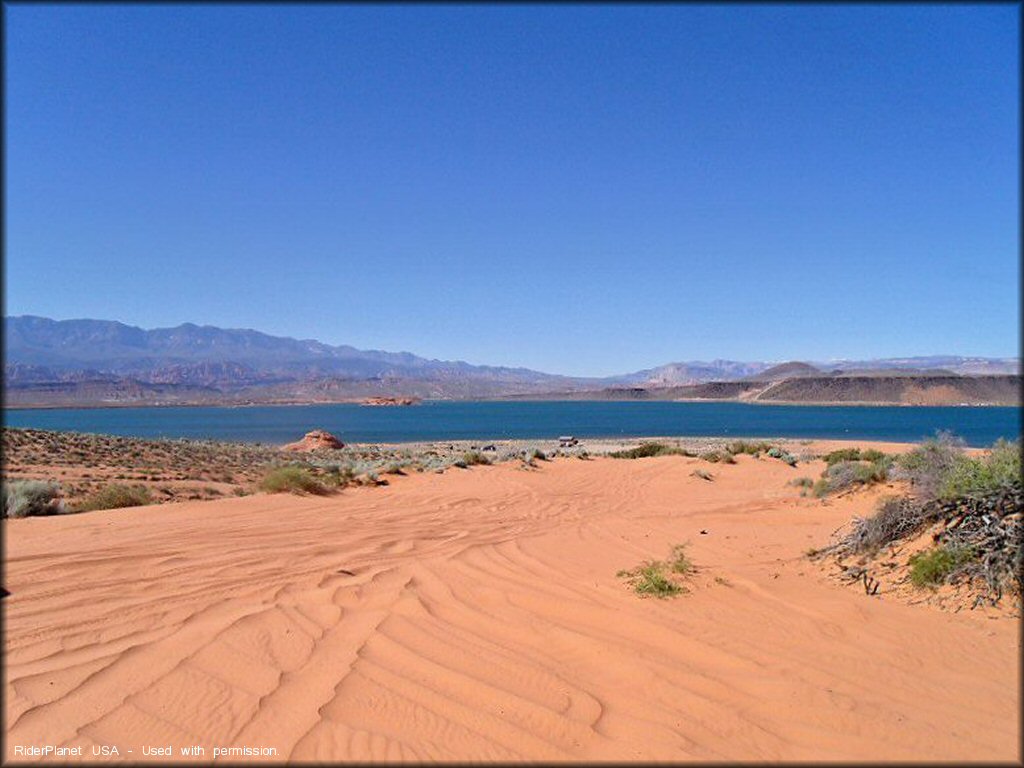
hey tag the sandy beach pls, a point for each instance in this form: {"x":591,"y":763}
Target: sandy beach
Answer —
{"x":477,"y":615}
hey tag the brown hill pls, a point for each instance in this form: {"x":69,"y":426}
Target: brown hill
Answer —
{"x":782,"y":371}
{"x":903,"y":390}
{"x":900,"y":389}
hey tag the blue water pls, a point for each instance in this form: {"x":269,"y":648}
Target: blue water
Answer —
{"x":447,"y":420}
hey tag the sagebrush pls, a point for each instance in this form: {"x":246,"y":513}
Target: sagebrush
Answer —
{"x":32,"y":498}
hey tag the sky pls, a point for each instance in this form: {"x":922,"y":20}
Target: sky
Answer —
{"x":577,"y":189}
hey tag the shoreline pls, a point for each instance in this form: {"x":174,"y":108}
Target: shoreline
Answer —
{"x":606,"y":442}
{"x":512,"y":399}
{"x":614,"y":441}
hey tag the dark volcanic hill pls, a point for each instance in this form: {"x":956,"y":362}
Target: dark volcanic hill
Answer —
{"x":905,"y":390}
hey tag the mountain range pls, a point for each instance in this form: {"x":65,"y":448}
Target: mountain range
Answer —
{"x":102,"y":361}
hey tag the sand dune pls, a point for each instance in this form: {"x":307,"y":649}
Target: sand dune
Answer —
{"x":477,"y":615}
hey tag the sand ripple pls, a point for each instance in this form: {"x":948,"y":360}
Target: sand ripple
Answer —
{"x":477,"y":615}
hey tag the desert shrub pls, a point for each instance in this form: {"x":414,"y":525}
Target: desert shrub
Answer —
{"x":292,"y":480}
{"x":646,"y":450}
{"x":678,"y":562}
{"x":336,"y":476}
{"x":972,"y":476}
{"x":472,"y":458}
{"x":703,"y":474}
{"x":650,"y":579}
{"x":371,"y":479}
{"x":743,"y":446}
{"x":1004,"y":460}
{"x":895,"y":518}
{"x":928,"y":465}
{"x":32,"y":498}
{"x":538,"y":454}
{"x":931,"y":568}
{"x":844,"y":474}
{"x":778,"y":453}
{"x":805,"y":484}
{"x":394,"y":469}
{"x":939,"y":468}
{"x":116,"y":496}
{"x":843,"y":455}
{"x":654,"y":576}
{"x":722,"y":456}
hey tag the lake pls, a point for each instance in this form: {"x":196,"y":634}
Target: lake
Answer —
{"x":462,"y":420}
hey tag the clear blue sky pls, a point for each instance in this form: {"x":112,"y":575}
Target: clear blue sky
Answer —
{"x":587,"y":190}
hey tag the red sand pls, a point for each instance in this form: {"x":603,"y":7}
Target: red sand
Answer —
{"x":477,"y":616}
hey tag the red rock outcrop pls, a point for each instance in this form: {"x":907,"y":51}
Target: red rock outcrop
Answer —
{"x":316,"y":440}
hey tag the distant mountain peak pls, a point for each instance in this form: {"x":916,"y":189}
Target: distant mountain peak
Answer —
{"x":39,"y":349}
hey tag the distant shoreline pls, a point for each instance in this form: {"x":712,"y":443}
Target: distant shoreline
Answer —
{"x":512,"y":399}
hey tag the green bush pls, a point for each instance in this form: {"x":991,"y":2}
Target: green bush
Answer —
{"x":843,"y":454}
{"x":471,"y":458}
{"x":722,"y":456}
{"x":928,"y":465}
{"x":970,"y":475}
{"x":777,"y":453}
{"x":933,"y":567}
{"x":821,"y":488}
{"x":336,"y":476}
{"x":650,"y":579}
{"x":743,"y":446}
{"x":646,"y":450}
{"x":854,"y":454}
{"x":292,"y":480}
{"x":371,"y":479}
{"x":32,"y":498}
{"x":116,"y":496}
{"x":678,"y":561}
{"x":939,"y":468}
{"x":844,"y":473}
